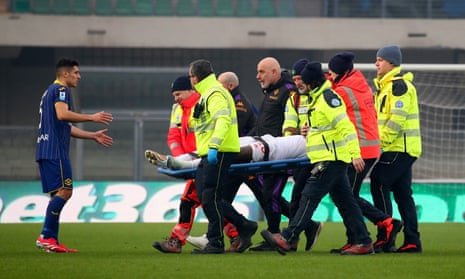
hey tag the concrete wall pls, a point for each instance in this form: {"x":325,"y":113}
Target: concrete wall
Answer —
{"x":192,"y":32}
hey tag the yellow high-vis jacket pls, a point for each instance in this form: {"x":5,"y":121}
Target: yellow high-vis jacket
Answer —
{"x":332,"y":136}
{"x":216,"y":122}
{"x":295,"y":113}
{"x":398,"y":113}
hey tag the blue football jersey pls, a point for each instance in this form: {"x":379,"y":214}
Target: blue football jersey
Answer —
{"x":54,"y":135}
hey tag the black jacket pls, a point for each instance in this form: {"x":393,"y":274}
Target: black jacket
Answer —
{"x":246,"y":117}
{"x":271,"y":116}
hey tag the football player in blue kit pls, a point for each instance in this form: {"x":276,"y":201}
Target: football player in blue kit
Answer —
{"x":52,"y":155}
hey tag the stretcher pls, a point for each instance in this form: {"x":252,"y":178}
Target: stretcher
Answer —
{"x":246,"y":168}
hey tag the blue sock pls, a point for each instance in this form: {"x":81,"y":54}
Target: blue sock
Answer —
{"x":52,"y":217}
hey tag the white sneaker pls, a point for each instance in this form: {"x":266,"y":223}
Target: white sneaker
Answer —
{"x":198,"y":241}
{"x":156,"y":158}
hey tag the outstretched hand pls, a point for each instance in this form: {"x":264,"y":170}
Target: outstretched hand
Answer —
{"x":102,"y":117}
{"x":102,"y":138}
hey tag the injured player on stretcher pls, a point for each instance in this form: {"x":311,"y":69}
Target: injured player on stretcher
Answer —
{"x":253,"y":149}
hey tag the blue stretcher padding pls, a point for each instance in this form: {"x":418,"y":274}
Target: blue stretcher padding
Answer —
{"x":246,"y":168}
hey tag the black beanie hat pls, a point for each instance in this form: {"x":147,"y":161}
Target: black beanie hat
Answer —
{"x":341,"y":62}
{"x":312,"y":73}
{"x":181,"y":83}
{"x":299,"y":66}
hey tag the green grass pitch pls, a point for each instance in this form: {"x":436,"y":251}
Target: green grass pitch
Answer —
{"x":124,"y":251}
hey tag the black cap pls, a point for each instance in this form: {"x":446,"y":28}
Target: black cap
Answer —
{"x":312,"y":73}
{"x":181,"y":83}
{"x":342,"y":62}
{"x":298,"y":67}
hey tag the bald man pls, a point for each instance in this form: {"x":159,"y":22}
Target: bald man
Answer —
{"x":246,"y":116}
{"x":276,"y":86}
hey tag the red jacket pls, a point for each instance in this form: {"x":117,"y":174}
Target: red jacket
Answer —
{"x":358,"y":97}
{"x":181,"y":137}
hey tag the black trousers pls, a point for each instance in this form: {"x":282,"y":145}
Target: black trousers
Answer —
{"x":300,"y":179}
{"x":332,"y":178}
{"x":255,"y":185}
{"x":393,"y":172}
{"x":369,"y":211}
{"x":210,"y":181}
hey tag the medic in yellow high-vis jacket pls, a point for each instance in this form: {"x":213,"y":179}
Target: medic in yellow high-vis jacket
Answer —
{"x":217,"y":139}
{"x":398,"y":115}
{"x":399,"y":130}
{"x":332,"y":136}
{"x":332,"y":144}
{"x":216,"y":122}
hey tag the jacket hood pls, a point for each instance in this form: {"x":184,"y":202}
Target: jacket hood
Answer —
{"x":353,"y":79}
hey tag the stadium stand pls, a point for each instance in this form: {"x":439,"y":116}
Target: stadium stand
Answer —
{"x":103,"y":7}
{"x":143,"y":7}
{"x":266,"y":8}
{"x":20,"y":6}
{"x":82,"y":7}
{"x":42,"y":6}
{"x":285,"y":8}
{"x":124,"y":7}
{"x":224,"y":8}
{"x":205,"y":8}
{"x":245,"y":8}
{"x":185,"y":8}
{"x":62,"y":7}
{"x":164,"y":8}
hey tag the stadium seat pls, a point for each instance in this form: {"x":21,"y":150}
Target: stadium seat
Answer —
{"x":41,"y":6}
{"x":61,"y":7}
{"x":245,"y":8}
{"x":205,"y":8}
{"x":81,"y":7}
{"x":224,"y":8}
{"x":143,"y":7}
{"x":163,"y":8}
{"x":20,"y":6}
{"x":286,"y":8}
{"x":185,"y":8}
{"x":103,"y":7}
{"x":123,"y":7}
{"x":265,"y":8}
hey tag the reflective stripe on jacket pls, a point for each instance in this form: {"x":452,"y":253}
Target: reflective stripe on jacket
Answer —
{"x":295,"y":113}
{"x":359,"y":100}
{"x":332,"y":135}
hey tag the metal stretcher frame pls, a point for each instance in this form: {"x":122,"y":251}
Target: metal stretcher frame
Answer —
{"x":246,"y":168}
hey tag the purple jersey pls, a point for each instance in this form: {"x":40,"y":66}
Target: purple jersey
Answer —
{"x":54,"y":135}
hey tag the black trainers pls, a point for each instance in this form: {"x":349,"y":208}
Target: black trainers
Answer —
{"x":246,"y":231}
{"x":209,"y":249}
{"x":262,"y":247}
{"x":172,"y":245}
{"x":312,"y":234}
